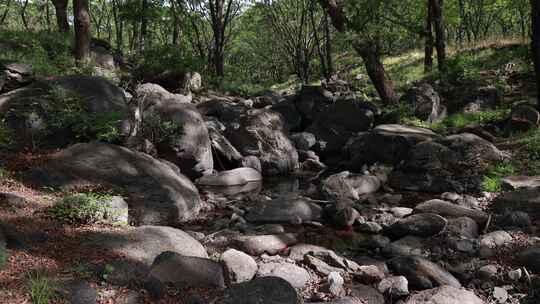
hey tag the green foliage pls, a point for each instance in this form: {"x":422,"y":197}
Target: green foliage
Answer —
{"x":160,"y":130}
{"x":461,"y":120}
{"x":462,"y":68}
{"x":3,"y":258}
{"x":6,"y":135}
{"x":531,"y":143}
{"x":160,"y":58}
{"x":241,"y":88}
{"x":49,"y":53}
{"x":83,"y":270}
{"x":492,"y":180}
{"x":81,"y":208}
{"x":67,"y":112}
{"x":41,"y":288}
{"x":107,"y":271}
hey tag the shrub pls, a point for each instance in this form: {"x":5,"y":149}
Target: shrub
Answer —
{"x":492,"y":180}
{"x":531,"y":142}
{"x":41,"y":289}
{"x":81,"y":208}
{"x":462,"y":68}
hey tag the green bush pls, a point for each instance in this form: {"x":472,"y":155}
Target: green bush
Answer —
{"x":492,"y":180}
{"x":160,"y":58}
{"x":41,"y":289}
{"x":81,"y":208}
{"x":462,"y":68}
{"x":531,"y":142}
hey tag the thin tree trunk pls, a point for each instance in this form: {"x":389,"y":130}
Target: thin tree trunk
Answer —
{"x":60,"y":7}
{"x":176,"y":30}
{"x":118,"y":25}
{"x":82,"y":31}
{"x":428,"y":50}
{"x":376,"y":72}
{"x":439,"y":34}
{"x":329,"y":61}
{"x":47,"y":15}
{"x":144,"y":25}
{"x":217,"y":6}
{"x":3,"y":19}
{"x":535,"y":43}
{"x":23,"y":14}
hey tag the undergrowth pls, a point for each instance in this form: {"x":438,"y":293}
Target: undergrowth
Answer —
{"x":41,"y":288}
{"x":80,"y":208}
{"x":492,"y":180}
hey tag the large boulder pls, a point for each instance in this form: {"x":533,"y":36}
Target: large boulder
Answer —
{"x":141,"y":245}
{"x":426,"y":103}
{"x":54,"y":113}
{"x":14,"y":75}
{"x":455,"y":163}
{"x":448,"y":209}
{"x":157,"y":192}
{"x":261,"y":133}
{"x":313,"y":102}
{"x":523,"y":118}
{"x":423,"y":225}
{"x":387,"y":144}
{"x":445,"y":295}
{"x":182,"y":135}
{"x":525,"y":200}
{"x":421,"y":273}
{"x":263,"y":290}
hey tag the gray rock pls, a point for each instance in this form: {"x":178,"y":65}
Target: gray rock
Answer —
{"x":271,"y":244}
{"x":500,"y":295}
{"x":523,"y":117}
{"x":515,"y":274}
{"x":389,"y":144}
{"x":341,"y":217}
{"x":188,"y":145}
{"x":456,"y":163}
{"x":445,"y":295}
{"x":421,"y":273}
{"x":304,"y":140}
{"x":80,"y":292}
{"x":423,"y":225}
{"x":239,"y":267}
{"x":12,"y":200}
{"x":462,"y":228}
{"x":252,"y":162}
{"x":448,"y":209}
{"x":299,"y":251}
{"x":295,"y":275}
{"x":285,"y":210}
{"x":234,"y":177}
{"x":220,"y":144}
{"x":491,"y":242}
{"x":426,"y":103}
{"x":116,"y":211}
{"x":125,"y":272}
{"x":158,"y":192}
{"x":370,"y":227}
{"x":347,"y":187}
{"x":530,"y":259}
{"x":320,"y":266}
{"x":334,"y":284}
{"x":367,"y":294}
{"x":487,"y":272}
{"x":520,"y":182}
{"x":525,"y":200}
{"x":409,"y":245}
{"x":186,"y":271}
{"x":369,"y":274}
{"x":264,"y":290}
{"x":395,"y":287}
{"x":400,"y":212}
{"x":143,"y":244}
{"x":515,"y":219}
{"x":151,"y":93}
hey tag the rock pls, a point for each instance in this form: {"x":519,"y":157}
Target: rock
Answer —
{"x":320,"y":266}
{"x":334,"y":284}
{"x":388,"y":144}
{"x":347,"y":187}
{"x":525,"y":200}
{"x":186,"y":271}
{"x":493,"y":241}
{"x":487,"y":272}
{"x":516,"y":219}
{"x":125,"y":272}
{"x":261,"y":133}
{"x":238,"y":266}
{"x":530,"y":259}
{"x":251,"y":162}
{"x":14,"y":75}
{"x":520,"y":182}
{"x":12,"y":200}
{"x":462,"y":228}
{"x":367,"y":294}
{"x":225,"y":151}
{"x":285,"y":210}
{"x":296,"y":276}
{"x":421,"y":273}
{"x":158,"y":193}
{"x":116,"y":211}
{"x":304,"y":140}
{"x":234,"y":177}
{"x":369,"y":274}
{"x":448,"y":209}
{"x":395,"y":287}
{"x":193,"y":81}
{"x":313,"y":101}
{"x":500,"y":295}
{"x":370,"y":227}
{"x":445,"y":295}
{"x":523,"y":117}
{"x":426,"y":103}
{"x":80,"y":292}
{"x":299,"y":251}
{"x":291,"y":115}
{"x":422,"y":224}
{"x":311,"y":165}
{"x":33,"y":112}
{"x":401,"y":212}
{"x":143,"y":244}
{"x":456,"y":163}
{"x":409,"y":245}
{"x":152,"y":93}
{"x":515,"y":274}
{"x":271,"y":244}
{"x":264,"y":290}
{"x":186,"y":141}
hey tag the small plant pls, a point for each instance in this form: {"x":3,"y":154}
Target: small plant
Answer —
{"x":531,"y":142}
{"x":6,"y":135}
{"x":3,"y":257}
{"x":107,"y":271}
{"x":41,"y":289}
{"x":462,"y":68}
{"x":82,"y":270}
{"x":492,"y":180}
{"x":81,"y":208}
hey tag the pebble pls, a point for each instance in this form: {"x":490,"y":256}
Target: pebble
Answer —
{"x":500,"y":294}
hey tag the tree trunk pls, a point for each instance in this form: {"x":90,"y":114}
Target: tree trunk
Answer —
{"x":218,"y":24}
{"x":535,"y":43}
{"x":176,"y":23}
{"x":428,"y":51}
{"x":119,"y":26}
{"x":144,"y":25}
{"x":23,"y":15}
{"x":60,"y":8}
{"x":439,"y":34}
{"x":376,"y":72}
{"x":4,"y":15}
{"x":329,"y":61}
{"x":83,"y":34}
